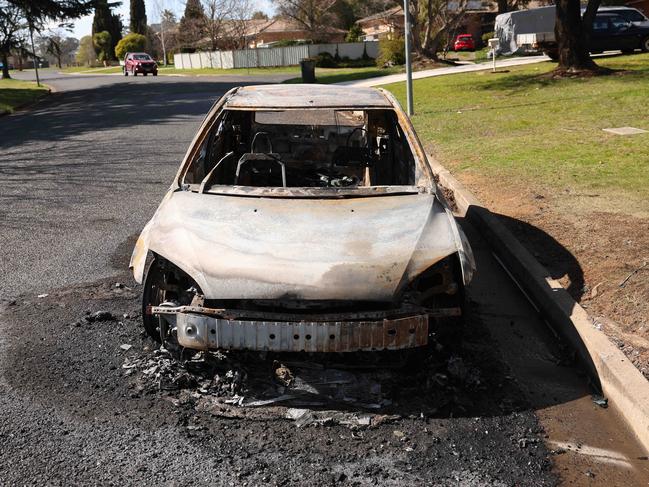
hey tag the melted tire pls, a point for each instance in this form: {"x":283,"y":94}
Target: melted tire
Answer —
{"x":152,"y":295}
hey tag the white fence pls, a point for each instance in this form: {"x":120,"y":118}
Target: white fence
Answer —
{"x":272,"y":56}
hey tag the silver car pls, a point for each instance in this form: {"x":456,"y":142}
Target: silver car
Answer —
{"x":303,"y":218}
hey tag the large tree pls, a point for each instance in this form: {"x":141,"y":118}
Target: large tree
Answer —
{"x":105,"y":20}
{"x":34,"y":14}
{"x":86,"y":54}
{"x":36,"y":11}
{"x":432,"y":21}
{"x":138,"y":22}
{"x":511,"y":5}
{"x":12,"y":32}
{"x":572,"y":31}
{"x":192,"y":25}
{"x":57,"y":48}
{"x":217,"y":14}
{"x":315,"y":16}
{"x":168,"y":33}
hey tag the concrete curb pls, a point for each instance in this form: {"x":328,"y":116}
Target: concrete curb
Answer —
{"x":620,"y":381}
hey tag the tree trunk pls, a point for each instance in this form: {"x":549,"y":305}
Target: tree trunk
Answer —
{"x":5,"y":66}
{"x":572,"y":38}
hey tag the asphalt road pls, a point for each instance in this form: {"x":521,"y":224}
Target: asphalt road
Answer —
{"x":83,"y":170}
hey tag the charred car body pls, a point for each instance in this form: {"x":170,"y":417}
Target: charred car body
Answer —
{"x":303,"y":218}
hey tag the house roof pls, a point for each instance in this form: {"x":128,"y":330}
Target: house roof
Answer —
{"x":306,"y":96}
{"x":386,"y":14}
{"x":281,"y":24}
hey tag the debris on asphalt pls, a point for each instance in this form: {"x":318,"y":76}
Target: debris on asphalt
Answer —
{"x":126,"y":347}
{"x":601,"y":401}
{"x":44,"y":295}
{"x":353,"y":420}
{"x":99,"y":316}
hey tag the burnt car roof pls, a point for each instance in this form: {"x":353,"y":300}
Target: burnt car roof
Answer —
{"x":306,"y":96}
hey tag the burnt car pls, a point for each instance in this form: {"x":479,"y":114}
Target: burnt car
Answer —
{"x":302,"y":218}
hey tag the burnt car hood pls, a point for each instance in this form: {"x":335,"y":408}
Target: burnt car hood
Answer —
{"x":299,"y":248}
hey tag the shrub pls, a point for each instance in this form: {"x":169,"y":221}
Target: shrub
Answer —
{"x":355,"y":33}
{"x":101,"y":42}
{"x":391,"y":51}
{"x":325,"y":60}
{"x":130,"y":43}
{"x":486,"y":36}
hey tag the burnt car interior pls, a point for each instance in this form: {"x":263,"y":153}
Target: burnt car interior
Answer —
{"x":315,"y":148}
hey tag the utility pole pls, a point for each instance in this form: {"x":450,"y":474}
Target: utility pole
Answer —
{"x":406,"y":20}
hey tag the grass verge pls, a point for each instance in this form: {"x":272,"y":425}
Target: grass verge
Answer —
{"x":524,"y":125}
{"x":86,"y":69}
{"x":338,"y":75}
{"x":15,"y":93}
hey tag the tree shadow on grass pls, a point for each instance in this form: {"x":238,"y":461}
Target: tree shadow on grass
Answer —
{"x":525,"y":81}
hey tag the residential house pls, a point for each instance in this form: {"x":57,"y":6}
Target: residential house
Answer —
{"x":265,"y":33}
{"x":383,"y":25}
{"x":479,"y":19}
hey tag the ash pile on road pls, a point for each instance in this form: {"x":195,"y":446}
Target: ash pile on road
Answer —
{"x":350,"y":392}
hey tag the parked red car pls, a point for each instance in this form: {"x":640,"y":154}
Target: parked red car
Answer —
{"x":139,"y":62}
{"x":464,"y":42}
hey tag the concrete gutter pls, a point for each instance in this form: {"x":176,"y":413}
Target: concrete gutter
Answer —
{"x":620,"y":381}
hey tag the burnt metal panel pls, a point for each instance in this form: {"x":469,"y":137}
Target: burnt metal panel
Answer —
{"x":204,"y":332}
{"x":306,"y":96}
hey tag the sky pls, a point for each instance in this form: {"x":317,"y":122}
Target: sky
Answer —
{"x":83,"y":26}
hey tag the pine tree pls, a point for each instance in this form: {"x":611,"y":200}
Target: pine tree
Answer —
{"x":192,"y":25}
{"x":138,"y":23}
{"x":106,"y":21}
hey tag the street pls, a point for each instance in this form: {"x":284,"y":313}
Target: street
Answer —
{"x":83,"y":171}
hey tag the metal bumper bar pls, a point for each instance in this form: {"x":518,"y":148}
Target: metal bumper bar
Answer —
{"x":202,"y":332}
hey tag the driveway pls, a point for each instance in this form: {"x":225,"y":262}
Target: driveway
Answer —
{"x":463,"y":68}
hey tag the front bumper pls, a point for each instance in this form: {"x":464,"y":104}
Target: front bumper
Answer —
{"x":145,"y":69}
{"x":205,"y":328}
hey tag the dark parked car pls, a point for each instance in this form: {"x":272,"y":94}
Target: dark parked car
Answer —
{"x":620,"y":28}
{"x":139,"y":62}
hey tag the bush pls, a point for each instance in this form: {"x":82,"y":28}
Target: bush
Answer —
{"x":391,"y":51}
{"x":130,"y":43}
{"x":325,"y":60}
{"x":355,"y":33}
{"x":486,"y":36}
{"x":101,"y":42}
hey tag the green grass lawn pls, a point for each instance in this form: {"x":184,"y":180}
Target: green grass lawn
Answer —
{"x":522,"y":125}
{"x":478,"y":56}
{"x":15,"y":93}
{"x":337,"y":75}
